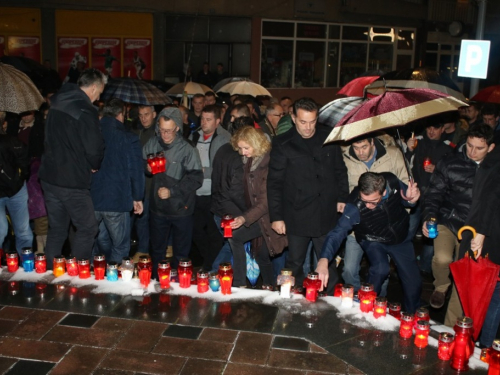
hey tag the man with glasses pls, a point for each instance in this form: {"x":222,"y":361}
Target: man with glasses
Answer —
{"x":376,"y":212}
{"x":173,"y":192}
{"x":274,"y":113}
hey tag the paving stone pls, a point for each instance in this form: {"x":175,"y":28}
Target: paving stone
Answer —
{"x":223,"y":335}
{"x":148,"y":363}
{"x":142,"y":336}
{"x":29,"y":349}
{"x":241,"y":369}
{"x":6,"y":363}
{"x":83,"y":336}
{"x":317,"y":349}
{"x":80,"y":360}
{"x":193,"y":348}
{"x":202,"y":367}
{"x":113,"y":324}
{"x":24,"y":367}
{"x":15,"y":313}
{"x":37,"y":324}
{"x":79,"y":320}
{"x":105,"y":371}
{"x":251,"y":348}
{"x":290,"y":343}
{"x":306,"y":361}
{"x":183,"y":332}
{"x":7,"y":326}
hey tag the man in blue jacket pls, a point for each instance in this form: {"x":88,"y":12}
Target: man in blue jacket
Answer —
{"x":118,"y":187}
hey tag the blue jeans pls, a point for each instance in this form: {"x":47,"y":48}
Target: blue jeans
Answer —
{"x":425,"y":257}
{"x":141,"y":223}
{"x":492,"y":319}
{"x":310,"y":256}
{"x":225,"y":254}
{"x":403,"y":256}
{"x":17,"y":205}
{"x":113,"y":239}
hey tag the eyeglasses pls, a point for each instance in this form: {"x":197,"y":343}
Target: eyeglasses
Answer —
{"x":278,"y":114}
{"x":167,"y":131}
{"x":371,"y":203}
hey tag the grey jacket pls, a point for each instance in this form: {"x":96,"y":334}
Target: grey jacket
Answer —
{"x":183,"y":176}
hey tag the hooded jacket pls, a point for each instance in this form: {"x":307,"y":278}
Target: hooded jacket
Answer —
{"x":73,"y":141}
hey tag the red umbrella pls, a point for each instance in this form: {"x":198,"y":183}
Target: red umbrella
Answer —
{"x":490,"y":94}
{"x":392,"y":108}
{"x":475,"y":281}
{"x":357,"y":86}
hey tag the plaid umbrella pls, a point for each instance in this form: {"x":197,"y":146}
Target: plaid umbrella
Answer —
{"x":244,"y":88}
{"x":331,"y":113}
{"x":135,"y":91}
{"x":225,"y":81}
{"x":17,"y":92}
{"x":392,"y":108}
{"x":190,"y":88}
{"x":490,"y":94}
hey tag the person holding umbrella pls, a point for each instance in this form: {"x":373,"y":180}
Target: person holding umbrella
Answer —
{"x":375,"y":210}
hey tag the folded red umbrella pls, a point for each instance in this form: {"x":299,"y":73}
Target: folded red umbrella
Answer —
{"x":475,"y":281}
{"x":490,"y":94}
{"x":356,"y":87}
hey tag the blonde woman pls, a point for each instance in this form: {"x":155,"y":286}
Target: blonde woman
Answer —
{"x":254,"y":224}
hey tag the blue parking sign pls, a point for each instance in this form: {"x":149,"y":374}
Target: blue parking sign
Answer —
{"x":474,"y":56}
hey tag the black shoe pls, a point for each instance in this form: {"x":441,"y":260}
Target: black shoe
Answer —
{"x":437,"y":299}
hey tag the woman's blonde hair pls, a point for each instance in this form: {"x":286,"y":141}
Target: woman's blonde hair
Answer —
{"x":254,"y":137}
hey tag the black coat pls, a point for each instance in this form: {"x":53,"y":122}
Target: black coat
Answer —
{"x":449,"y":195}
{"x":304,"y":186}
{"x":14,"y":165}
{"x":73,"y":141}
{"x":227,"y":182}
{"x":485,"y":207}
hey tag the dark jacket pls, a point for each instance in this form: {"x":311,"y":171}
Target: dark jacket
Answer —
{"x":483,"y":215}
{"x":120,"y":180}
{"x":144,"y":136}
{"x":306,"y":181}
{"x":426,"y":148}
{"x":183,"y":176}
{"x":255,"y":179}
{"x":73,"y":141}
{"x":227,"y":183}
{"x":449,"y":195}
{"x":14,"y":165}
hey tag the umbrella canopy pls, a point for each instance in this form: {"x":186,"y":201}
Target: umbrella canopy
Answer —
{"x":419,"y":78}
{"x":356,"y":87}
{"x":132,"y":90}
{"x":331,"y":113}
{"x":392,"y":108}
{"x":17,"y":92}
{"x":42,"y":77}
{"x":490,"y":94}
{"x":191,"y":88}
{"x":225,"y":81}
{"x":244,"y":88}
{"x":475,"y":282}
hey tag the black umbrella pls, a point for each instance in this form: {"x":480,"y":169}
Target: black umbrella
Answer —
{"x":43,"y":78}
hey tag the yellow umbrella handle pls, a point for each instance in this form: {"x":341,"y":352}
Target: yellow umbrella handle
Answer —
{"x":466,"y":227}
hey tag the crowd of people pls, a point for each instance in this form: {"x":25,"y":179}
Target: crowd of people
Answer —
{"x":77,"y":171}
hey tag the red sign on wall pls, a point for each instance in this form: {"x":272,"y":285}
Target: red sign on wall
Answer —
{"x":24,"y":46}
{"x":106,"y":55}
{"x":137,"y":58}
{"x":72,"y":54}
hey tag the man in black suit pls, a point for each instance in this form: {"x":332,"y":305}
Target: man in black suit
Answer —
{"x":306,"y":186}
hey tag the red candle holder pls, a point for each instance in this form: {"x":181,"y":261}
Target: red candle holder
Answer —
{"x":59,"y":267}
{"x":83,"y":268}
{"x":312,"y":284}
{"x":380,"y":308}
{"x":421,"y":314}
{"x":225,"y":277}
{"x":145,"y":267}
{"x":71,"y":266}
{"x":40,"y":263}
{"x":494,"y":359}
{"x":161,"y":162}
{"x":337,"y":291}
{"x":427,"y":162}
{"x":226,"y":225}
{"x":12,"y":261}
{"x":164,"y":274}
{"x":422,"y":330}
{"x":395,"y":310}
{"x":444,"y":346}
{"x":184,"y":272}
{"x":202,"y":281}
{"x":99,"y":267}
{"x":406,"y":327}
{"x":153,"y":164}
{"x":366,"y":296}
{"x":463,"y":346}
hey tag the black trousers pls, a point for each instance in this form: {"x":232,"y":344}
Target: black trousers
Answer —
{"x":206,"y":235}
{"x":297,"y":249}
{"x":64,"y":206}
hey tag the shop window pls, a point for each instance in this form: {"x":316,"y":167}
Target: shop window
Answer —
{"x":309,"y":64}
{"x":353,"y":61}
{"x":276,"y":63}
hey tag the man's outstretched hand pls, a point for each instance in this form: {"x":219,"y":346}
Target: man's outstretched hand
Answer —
{"x":322,"y":270}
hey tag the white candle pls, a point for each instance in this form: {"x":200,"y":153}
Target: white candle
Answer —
{"x":346,"y":302}
{"x":127,"y":275}
{"x":285,"y":290}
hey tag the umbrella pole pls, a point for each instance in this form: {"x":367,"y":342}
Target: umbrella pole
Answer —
{"x":407,"y":164}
